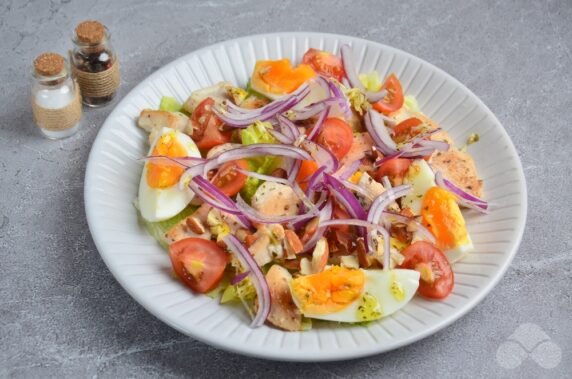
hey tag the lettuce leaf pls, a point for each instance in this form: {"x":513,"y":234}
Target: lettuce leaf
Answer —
{"x":371,"y":81}
{"x":410,"y":104}
{"x":158,"y":229}
{"x":257,"y":133}
{"x":170,"y":104}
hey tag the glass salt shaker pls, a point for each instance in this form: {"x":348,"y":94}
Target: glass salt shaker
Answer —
{"x":56,"y":101}
{"x":94,"y":63}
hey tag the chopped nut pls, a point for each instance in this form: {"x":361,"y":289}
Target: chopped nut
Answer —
{"x":292,"y":243}
{"x":195,"y":225}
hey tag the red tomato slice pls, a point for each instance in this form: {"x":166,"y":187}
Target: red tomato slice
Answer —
{"x":395,"y":169}
{"x":436,"y":274}
{"x":394,"y":99}
{"x":199,"y":263}
{"x":337,"y":136}
{"x":206,"y":126}
{"x":307,"y":168}
{"x":228,"y":180}
{"x":324,"y":63}
{"x":406,"y":129}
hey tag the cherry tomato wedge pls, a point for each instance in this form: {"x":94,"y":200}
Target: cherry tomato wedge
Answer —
{"x":336,"y":136}
{"x":199,"y":263}
{"x":436,"y":274}
{"x":206,"y":126}
{"x":324,"y":63}
{"x":394,"y":99}
{"x":406,"y":129}
{"x":395,"y":169}
{"x":228,"y":180}
{"x":307,"y":168}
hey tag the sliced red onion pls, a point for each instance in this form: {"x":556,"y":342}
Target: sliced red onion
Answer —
{"x":358,"y":189}
{"x":313,"y":180}
{"x":239,"y":277}
{"x":282,"y":138}
{"x":288,"y":128}
{"x":339,"y":94}
{"x":325,"y":214}
{"x":347,"y":170}
{"x":186,"y":162}
{"x":258,"y":279}
{"x":383,"y":200}
{"x":321,"y":155}
{"x":367,"y":225}
{"x":349,"y":68}
{"x":322,"y":82}
{"x":213,"y":196}
{"x":294,"y":169}
{"x":353,"y":78}
{"x":318,"y":125}
{"x":345,"y":197}
{"x":307,"y":112}
{"x":385,"y":182}
{"x":386,"y":158}
{"x":464,"y":198}
{"x":375,"y":96}
{"x":378,"y":131}
{"x":242,"y":119}
{"x":259,"y":149}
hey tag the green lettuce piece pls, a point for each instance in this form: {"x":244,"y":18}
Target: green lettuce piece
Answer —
{"x":158,"y":229}
{"x":170,"y":104}
{"x":410,"y":104}
{"x":257,"y":133}
{"x":371,"y":81}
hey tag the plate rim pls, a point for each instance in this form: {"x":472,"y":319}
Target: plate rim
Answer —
{"x":331,"y":355}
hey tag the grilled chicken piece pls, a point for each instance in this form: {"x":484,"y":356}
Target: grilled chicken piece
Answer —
{"x":459,"y":168}
{"x":192,"y":226}
{"x":152,"y":121}
{"x":284,"y":313}
{"x":219,"y":92}
{"x":275,"y":199}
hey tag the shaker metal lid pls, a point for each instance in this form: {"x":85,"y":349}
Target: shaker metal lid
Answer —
{"x":90,"y":32}
{"x":49,"y":64}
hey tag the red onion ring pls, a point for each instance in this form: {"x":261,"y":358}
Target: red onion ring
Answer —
{"x":258,"y":279}
{"x":464,"y":198}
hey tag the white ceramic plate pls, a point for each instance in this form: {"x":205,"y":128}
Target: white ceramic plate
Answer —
{"x":143,"y":268}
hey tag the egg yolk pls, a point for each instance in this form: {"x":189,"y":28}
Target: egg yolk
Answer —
{"x":164,"y":175}
{"x":442,"y":216}
{"x":279,"y":77}
{"x":329,"y":291}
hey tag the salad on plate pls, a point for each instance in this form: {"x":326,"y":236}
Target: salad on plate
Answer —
{"x":315,"y":193}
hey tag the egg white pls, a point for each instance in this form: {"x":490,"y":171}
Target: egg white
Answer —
{"x":161,"y":204}
{"x":459,"y":252}
{"x":421,"y":178}
{"x":377,"y":284}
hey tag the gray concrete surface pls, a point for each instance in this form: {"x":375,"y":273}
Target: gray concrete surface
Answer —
{"x":63,"y":315}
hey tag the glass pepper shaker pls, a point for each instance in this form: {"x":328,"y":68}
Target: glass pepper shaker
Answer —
{"x":56,"y":100}
{"x":94,"y":63}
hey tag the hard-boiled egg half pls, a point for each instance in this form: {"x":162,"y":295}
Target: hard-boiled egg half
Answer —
{"x":274,"y":79}
{"x":353,"y":295}
{"x":441,"y":214}
{"x":439,"y":211}
{"x":159,"y":195}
